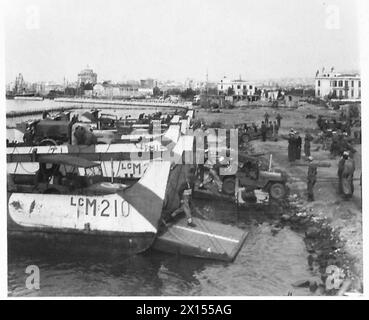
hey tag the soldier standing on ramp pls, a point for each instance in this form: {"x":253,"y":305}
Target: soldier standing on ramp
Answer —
{"x":185,"y":194}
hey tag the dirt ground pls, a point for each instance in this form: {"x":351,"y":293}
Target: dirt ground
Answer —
{"x":344,"y":216}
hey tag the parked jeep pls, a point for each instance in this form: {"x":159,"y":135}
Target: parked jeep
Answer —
{"x":252,"y":177}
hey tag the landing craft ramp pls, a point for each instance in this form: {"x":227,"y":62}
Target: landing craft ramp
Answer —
{"x":208,"y":239}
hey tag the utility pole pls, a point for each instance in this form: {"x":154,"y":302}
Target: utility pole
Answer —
{"x":206,"y":88}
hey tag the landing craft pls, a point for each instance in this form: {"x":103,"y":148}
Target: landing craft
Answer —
{"x":118,"y":161}
{"x":70,"y":205}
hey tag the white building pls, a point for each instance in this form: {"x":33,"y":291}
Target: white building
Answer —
{"x":120,"y":91}
{"x":337,"y":85}
{"x":87,"y":76}
{"x":240,"y":87}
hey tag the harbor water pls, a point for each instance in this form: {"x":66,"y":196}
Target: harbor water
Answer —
{"x":268,"y":263}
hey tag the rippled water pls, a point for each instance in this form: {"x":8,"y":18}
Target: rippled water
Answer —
{"x":266,"y":265}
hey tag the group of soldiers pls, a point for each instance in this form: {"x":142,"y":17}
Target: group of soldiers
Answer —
{"x":339,"y":146}
{"x":272,"y":127}
{"x":345,"y":173}
{"x":295,"y":145}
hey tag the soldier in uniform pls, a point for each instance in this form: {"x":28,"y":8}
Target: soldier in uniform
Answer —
{"x":213,"y":174}
{"x":279,"y":118}
{"x":292,"y":146}
{"x":346,"y":169}
{"x":311,"y":178}
{"x":263,"y":131}
{"x":307,"y":145}
{"x":298,"y":146}
{"x":185,"y":196}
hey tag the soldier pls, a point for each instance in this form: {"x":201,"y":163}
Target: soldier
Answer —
{"x":276,"y":127}
{"x":185,"y":193}
{"x":292,"y":146}
{"x":311,"y":178}
{"x":346,"y":169}
{"x":213,"y":174}
{"x":335,"y":145}
{"x":298,"y":146}
{"x":279,"y":118}
{"x":28,"y":137}
{"x":263,"y":131}
{"x":341,"y":165}
{"x":307,"y":145}
{"x":45,"y":114}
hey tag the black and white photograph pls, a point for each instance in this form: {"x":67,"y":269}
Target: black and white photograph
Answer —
{"x":183,"y":148}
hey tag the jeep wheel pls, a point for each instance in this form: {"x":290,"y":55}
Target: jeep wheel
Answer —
{"x":277,"y":191}
{"x":229,"y":186}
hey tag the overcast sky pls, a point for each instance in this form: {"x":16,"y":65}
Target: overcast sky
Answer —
{"x":175,"y":39}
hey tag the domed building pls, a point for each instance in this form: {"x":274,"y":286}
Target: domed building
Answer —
{"x":87,"y":76}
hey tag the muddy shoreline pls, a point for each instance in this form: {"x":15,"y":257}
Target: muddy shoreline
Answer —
{"x":330,"y":226}
{"x":326,"y":251}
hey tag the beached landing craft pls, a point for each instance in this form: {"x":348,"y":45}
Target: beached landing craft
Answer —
{"x":118,"y":161}
{"x":69,"y":209}
{"x":127,"y":159}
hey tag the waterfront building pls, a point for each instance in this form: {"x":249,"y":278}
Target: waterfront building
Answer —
{"x":109,"y":90}
{"x":87,"y":76}
{"x":334,"y":85}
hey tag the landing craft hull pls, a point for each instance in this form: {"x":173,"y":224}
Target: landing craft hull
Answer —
{"x":74,"y":230}
{"x":81,"y":243}
{"x":125,"y":222}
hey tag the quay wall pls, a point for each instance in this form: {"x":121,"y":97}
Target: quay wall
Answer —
{"x":147,"y":103}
